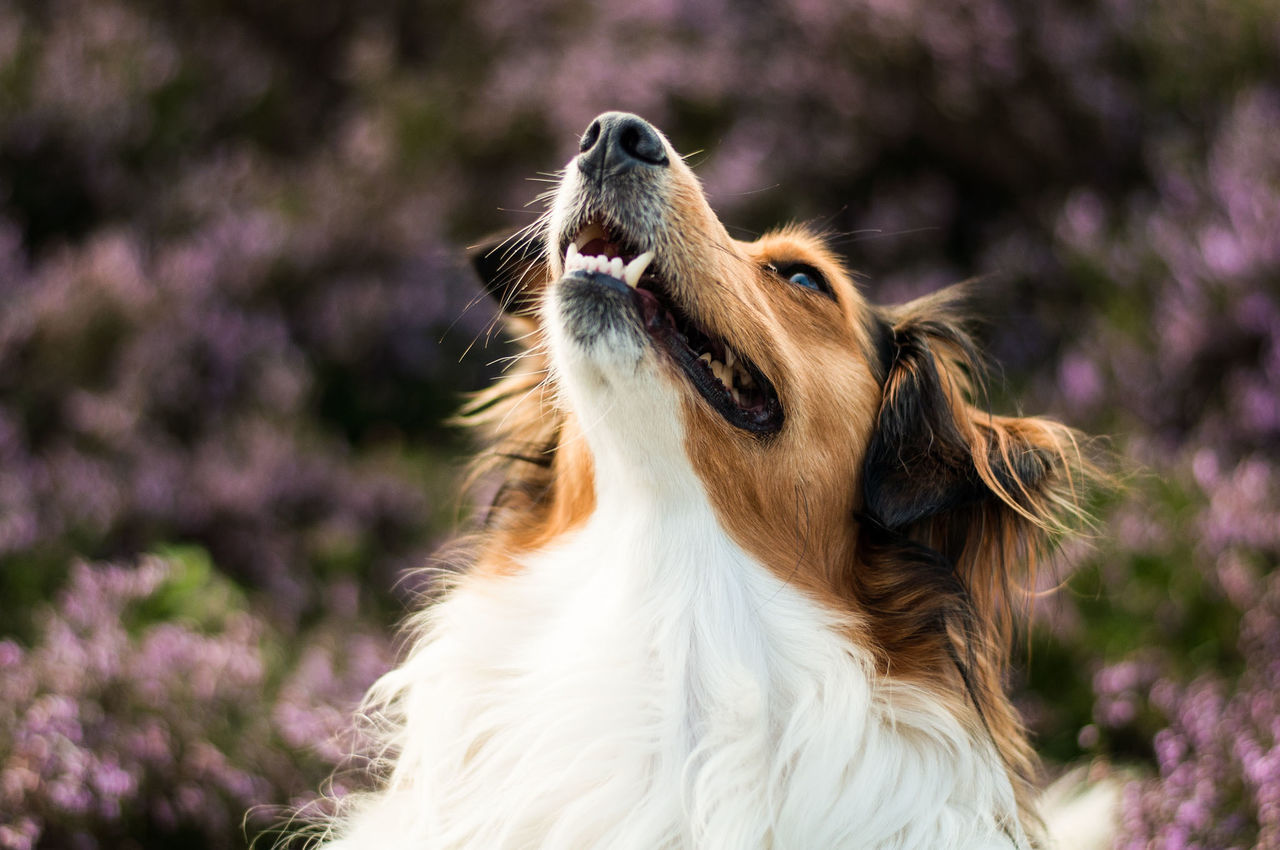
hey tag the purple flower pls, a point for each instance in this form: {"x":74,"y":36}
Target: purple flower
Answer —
{"x":167,"y":724}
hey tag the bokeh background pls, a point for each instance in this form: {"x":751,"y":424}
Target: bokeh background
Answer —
{"x":235,"y":315}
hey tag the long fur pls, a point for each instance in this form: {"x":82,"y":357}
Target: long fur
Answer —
{"x":674,"y":633}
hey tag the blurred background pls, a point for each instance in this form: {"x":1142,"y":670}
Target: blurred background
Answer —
{"x":235,"y":314}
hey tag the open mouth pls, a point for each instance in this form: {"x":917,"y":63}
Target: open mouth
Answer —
{"x":733,"y":385}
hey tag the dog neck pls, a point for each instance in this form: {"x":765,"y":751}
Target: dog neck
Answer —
{"x":642,"y":682}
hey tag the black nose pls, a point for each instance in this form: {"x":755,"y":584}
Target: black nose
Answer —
{"x":617,"y":142}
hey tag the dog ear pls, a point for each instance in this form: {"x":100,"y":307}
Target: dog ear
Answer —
{"x":513,"y":269}
{"x":933,"y":452}
{"x":959,"y":508}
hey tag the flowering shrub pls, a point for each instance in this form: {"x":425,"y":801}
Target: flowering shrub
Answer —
{"x":118,"y":726}
{"x":207,"y":338}
{"x":234,"y":309}
{"x":1193,"y":558}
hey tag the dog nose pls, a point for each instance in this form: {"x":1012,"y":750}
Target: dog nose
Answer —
{"x":617,"y":142}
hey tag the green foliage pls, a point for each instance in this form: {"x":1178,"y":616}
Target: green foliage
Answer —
{"x":193,"y":593}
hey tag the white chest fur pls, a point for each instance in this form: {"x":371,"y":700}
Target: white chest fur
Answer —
{"x":645,"y":684}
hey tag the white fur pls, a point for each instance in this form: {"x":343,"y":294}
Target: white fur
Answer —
{"x":1081,"y":813}
{"x":643,"y":683}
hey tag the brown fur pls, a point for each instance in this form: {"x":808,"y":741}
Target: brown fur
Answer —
{"x":888,"y":496}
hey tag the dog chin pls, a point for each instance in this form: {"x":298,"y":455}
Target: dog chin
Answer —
{"x":611,"y":378}
{"x":594,"y":328}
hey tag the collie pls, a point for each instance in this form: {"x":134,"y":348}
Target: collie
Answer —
{"x":753,"y":571}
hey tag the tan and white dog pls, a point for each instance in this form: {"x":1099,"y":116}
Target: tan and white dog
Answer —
{"x":752,"y":576}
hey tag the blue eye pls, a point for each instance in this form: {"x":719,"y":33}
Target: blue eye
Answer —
{"x":802,"y":279}
{"x":802,"y":274}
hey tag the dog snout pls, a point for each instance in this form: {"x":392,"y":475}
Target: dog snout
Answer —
{"x":616,"y":142}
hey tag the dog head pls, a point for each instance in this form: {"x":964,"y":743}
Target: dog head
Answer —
{"x":837,"y":441}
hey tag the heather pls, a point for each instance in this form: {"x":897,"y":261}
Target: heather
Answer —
{"x":154,"y":706}
{"x":236,"y":315}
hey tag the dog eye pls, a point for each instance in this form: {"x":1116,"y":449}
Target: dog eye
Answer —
{"x":802,"y":279}
{"x":805,"y":276}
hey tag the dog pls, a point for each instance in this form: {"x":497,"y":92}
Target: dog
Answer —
{"x":755,"y":566}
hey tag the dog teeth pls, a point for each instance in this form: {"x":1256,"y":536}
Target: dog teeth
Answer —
{"x":735,"y":378}
{"x":612,"y":266}
{"x":636,"y":268}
